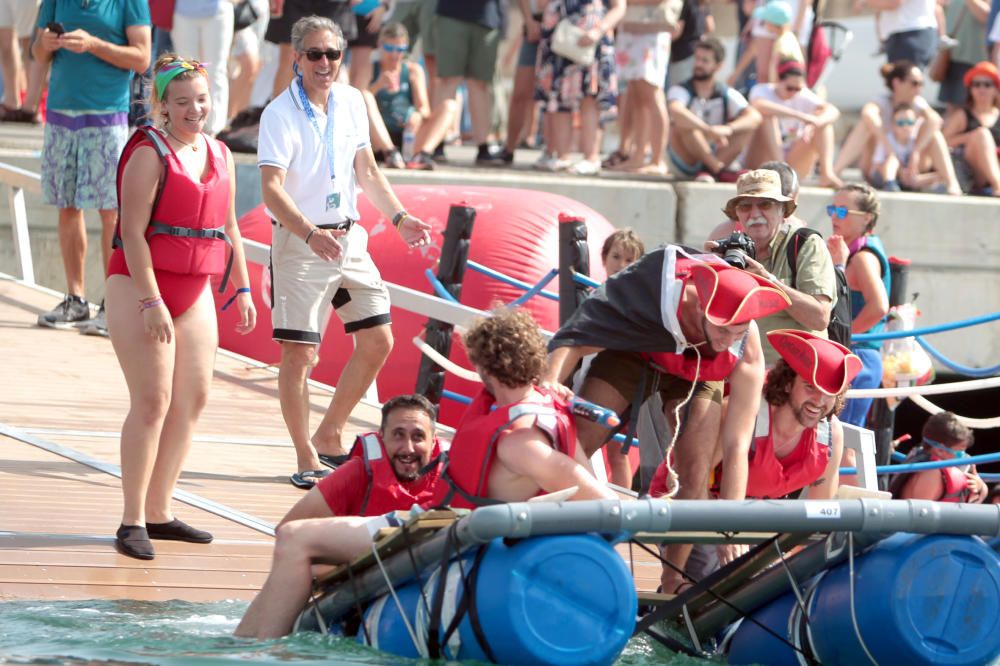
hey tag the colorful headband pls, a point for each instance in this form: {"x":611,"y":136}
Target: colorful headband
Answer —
{"x":168,"y":72}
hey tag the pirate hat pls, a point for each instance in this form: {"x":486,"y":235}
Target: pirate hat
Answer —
{"x":731,"y":296}
{"x":825,"y":364}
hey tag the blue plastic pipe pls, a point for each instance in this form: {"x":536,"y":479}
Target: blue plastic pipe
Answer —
{"x":438,"y":287}
{"x":924,"y":466}
{"x":586,"y":280}
{"x":537,"y":289}
{"x":588,"y":410}
{"x":506,"y":279}
{"x":895,"y":335}
{"x":957,"y":367}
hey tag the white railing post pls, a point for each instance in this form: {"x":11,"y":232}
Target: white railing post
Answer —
{"x":19,"y":223}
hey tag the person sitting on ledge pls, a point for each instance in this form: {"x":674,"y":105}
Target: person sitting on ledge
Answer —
{"x":525,"y":447}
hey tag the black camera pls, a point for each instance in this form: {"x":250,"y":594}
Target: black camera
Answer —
{"x":736,"y":248}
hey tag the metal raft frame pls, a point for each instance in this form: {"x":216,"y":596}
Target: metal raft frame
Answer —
{"x":408,"y":551}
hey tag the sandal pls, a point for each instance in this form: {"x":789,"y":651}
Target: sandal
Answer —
{"x":20,"y":116}
{"x":333,"y":462}
{"x":614,"y":159}
{"x":309,"y":478}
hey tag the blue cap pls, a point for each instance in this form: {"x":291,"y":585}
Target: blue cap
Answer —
{"x":777,"y":12}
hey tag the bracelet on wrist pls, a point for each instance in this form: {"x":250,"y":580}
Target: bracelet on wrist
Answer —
{"x":309,"y":235}
{"x":149,"y":303}
{"x":399,"y":218}
{"x":241,"y":290}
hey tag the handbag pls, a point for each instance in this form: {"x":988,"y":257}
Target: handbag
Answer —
{"x":243,"y":15}
{"x":938,"y":71}
{"x":565,"y":43}
{"x":662,"y":17}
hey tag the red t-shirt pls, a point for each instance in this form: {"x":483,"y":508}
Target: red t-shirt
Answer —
{"x":344,"y":490}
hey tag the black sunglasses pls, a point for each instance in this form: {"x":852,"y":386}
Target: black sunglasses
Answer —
{"x":314,"y":55}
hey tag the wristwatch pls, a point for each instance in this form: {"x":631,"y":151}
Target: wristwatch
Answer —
{"x":398,"y":218}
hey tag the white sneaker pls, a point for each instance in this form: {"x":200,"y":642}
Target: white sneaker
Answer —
{"x":586,"y":168}
{"x":545,"y":162}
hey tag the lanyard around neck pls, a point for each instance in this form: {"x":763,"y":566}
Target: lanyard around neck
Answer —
{"x":327,"y":135}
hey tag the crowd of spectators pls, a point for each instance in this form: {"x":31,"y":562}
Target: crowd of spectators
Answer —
{"x":434,"y":71}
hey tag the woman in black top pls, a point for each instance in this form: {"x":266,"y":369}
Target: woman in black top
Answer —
{"x":973,"y":132}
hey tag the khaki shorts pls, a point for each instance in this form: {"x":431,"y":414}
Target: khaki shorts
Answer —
{"x":465,"y":49}
{"x":623,"y":371}
{"x":304,"y":287}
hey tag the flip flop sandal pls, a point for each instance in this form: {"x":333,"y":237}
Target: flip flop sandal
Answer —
{"x":333,"y":462}
{"x":308,"y":479}
{"x":614,"y":159}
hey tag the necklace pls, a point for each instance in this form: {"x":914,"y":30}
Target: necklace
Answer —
{"x":192,"y":146}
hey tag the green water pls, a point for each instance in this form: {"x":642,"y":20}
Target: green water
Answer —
{"x":179,"y":633}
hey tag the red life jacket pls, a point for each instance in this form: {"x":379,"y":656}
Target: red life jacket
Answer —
{"x":770,"y":477}
{"x":187,"y":226}
{"x":685,"y":363}
{"x":956,"y":485}
{"x":385,"y":492}
{"x":465,"y":477}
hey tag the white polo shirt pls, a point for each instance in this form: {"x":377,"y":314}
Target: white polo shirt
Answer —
{"x":288,"y":140}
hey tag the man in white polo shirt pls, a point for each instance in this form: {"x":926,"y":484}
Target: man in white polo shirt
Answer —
{"x":314,"y":153}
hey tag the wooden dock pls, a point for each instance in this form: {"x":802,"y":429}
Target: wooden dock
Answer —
{"x":62,"y":403}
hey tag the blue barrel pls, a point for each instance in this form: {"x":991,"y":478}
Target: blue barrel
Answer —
{"x":562,"y":600}
{"x":918,"y":600}
{"x":750,"y":644}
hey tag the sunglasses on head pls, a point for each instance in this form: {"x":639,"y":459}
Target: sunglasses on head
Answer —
{"x":393,"y":48}
{"x":982,"y":84}
{"x":840,"y":212}
{"x":314,"y":55}
{"x":916,"y":83}
{"x":764,"y":205}
{"x":905,"y":122}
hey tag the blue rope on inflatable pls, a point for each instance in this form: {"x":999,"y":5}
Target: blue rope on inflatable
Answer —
{"x":506,"y":279}
{"x":585,"y":280}
{"x":924,"y":466}
{"x":534,"y":291}
{"x":895,"y":335}
{"x":457,"y":397}
{"x":957,"y":367}
{"x":438,"y":287}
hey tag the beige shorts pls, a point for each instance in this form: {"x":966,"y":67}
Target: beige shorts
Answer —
{"x":19,"y":15}
{"x":304,"y":287}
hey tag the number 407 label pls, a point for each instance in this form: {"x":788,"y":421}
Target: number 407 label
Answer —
{"x":822,"y":509}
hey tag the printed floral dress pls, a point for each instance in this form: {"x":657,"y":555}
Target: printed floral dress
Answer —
{"x":563,"y":84}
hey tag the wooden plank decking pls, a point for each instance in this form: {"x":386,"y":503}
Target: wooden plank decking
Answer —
{"x":58,"y":516}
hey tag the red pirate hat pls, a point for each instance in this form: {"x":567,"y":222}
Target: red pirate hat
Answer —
{"x":732,"y":296}
{"x":825,"y":364}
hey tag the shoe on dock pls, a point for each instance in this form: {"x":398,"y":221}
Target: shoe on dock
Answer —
{"x":71,"y":311}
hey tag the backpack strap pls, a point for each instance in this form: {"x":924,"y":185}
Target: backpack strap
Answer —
{"x":798,"y":238}
{"x":162,"y":149}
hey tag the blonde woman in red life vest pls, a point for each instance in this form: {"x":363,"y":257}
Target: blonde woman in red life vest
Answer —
{"x":176,"y":228}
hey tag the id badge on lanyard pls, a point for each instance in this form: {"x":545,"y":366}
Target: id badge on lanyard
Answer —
{"x":333,"y":198}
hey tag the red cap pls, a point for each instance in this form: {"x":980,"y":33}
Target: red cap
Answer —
{"x":825,"y":364}
{"x":731,"y":296}
{"x":985,"y":69}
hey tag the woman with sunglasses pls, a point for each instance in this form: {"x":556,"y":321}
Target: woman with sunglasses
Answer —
{"x":973,"y":132}
{"x":396,"y":97}
{"x":904,"y":82}
{"x":161,"y":314}
{"x":399,"y":112}
{"x":853,"y":244}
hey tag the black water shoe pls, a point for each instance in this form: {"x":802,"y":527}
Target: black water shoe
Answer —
{"x":177,"y":530}
{"x":133,"y":540}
